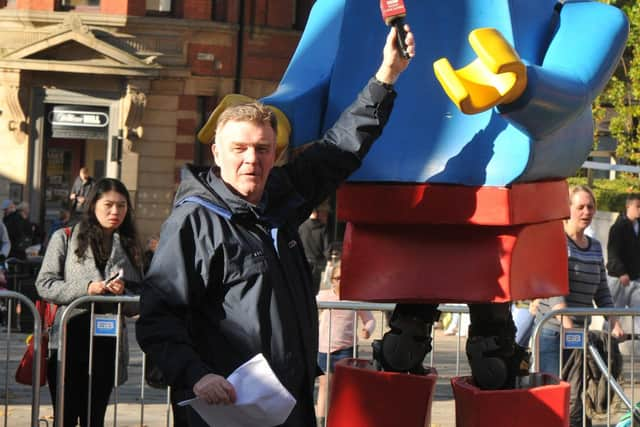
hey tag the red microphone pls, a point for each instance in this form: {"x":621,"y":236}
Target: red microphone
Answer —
{"x":393,"y":13}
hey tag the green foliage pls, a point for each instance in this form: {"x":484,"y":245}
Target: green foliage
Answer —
{"x":611,"y":195}
{"x":622,"y":93}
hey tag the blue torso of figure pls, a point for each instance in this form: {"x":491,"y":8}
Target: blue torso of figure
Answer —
{"x":546,"y":133}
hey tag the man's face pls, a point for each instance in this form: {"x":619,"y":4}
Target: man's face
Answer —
{"x":84,"y":174}
{"x":633,"y":210}
{"x":245,"y":153}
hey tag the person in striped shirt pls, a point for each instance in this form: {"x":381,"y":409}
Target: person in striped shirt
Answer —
{"x":587,"y":279}
{"x":587,"y":285}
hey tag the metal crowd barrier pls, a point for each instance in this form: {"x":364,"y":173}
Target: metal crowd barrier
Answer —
{"x":9,"y":296}
{"x":612,"y":384}
{"x":119,"y":300}
{"x":338,"y":305}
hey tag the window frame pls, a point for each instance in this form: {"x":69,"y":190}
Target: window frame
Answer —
{"x":60,"y":6}
{"x":170,"y":13}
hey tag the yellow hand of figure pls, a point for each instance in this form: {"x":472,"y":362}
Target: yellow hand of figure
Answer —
{"x":497,"y":76}
{"x":208,"y":131}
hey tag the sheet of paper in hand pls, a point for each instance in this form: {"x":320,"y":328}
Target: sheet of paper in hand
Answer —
{"x":262,"y":401}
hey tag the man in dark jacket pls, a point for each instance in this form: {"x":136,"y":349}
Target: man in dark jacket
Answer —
{"x":315,"y":240}
{"x":21,"y":232}
{"x":80,"y":190}
{"x":623,"y":257}
{"x":229,"y":279}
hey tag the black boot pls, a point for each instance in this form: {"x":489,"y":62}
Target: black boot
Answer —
{"x":405,"y":346}
{"x":495,"y":358}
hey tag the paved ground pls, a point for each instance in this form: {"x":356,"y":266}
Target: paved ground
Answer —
{"x":155,"y":410}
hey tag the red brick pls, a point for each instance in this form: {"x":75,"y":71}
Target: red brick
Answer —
{"x":184,"y":151}
{"x":264,"y":68}
{"x":259,"y":13}
{"x":197,"y":9}
{"x":187,"y":103}
{"x":36,"y":5}
{"x":123,"y":7}
{"x":224,"y":64}
{"x":279,"y":45}
{"x":280,"y":14}
{"x":221,"y":10}
{"x":137,"y":8}
{"x":186,"y":126}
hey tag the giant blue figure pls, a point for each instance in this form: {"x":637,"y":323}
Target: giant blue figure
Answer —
{"x":569,"y":53}
{"x":477,"y":198}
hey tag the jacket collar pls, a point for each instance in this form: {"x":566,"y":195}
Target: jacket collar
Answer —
{"x":279,"y":200}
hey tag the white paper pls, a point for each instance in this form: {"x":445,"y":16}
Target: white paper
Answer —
{"x":261,"y":400}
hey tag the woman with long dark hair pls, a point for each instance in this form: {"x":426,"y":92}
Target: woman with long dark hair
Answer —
{"x":98,"y":256}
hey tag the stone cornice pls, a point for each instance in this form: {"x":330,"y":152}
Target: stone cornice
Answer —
{"x":84,"y":68}
{"x":109,"y":59}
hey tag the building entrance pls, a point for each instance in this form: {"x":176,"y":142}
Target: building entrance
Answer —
{"x":76,"y":137}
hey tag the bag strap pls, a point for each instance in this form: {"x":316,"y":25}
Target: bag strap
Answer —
{"x":48,"y":310}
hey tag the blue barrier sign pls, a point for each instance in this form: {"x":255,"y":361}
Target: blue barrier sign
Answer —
{"x":105,"y":326}
{"x":573,"y":338}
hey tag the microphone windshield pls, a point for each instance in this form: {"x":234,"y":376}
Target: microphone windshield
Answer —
{"x":392,"y":9}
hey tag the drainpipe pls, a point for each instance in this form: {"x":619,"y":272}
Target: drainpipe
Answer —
{"x":240,"y":47}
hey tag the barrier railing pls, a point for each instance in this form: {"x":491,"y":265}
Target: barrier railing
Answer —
{"x":339,"y":305}
{"x":62,"y":347}
{"x":612,"y":384}
{"x":37,"y":350}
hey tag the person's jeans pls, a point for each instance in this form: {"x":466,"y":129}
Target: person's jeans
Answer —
{"x":550,"y":351}
{"x":337,"y":355}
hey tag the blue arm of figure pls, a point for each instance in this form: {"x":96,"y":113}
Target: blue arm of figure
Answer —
{"x":302,"y":92}
{"x":580,"y":60}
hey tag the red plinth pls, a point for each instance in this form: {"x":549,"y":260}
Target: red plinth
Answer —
{"x":545,"y":403}
{"x":453,"y":263}
{"x":364,"y":397}
{"x":450,"y":243}
{"x":366,"y":203}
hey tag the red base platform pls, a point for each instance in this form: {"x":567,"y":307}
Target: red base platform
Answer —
{"x":364,"y":397}
{"x":544,"y":403}
{"x":453,"y":263}
{"x":445,"y":243}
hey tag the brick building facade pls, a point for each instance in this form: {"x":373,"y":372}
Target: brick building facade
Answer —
{"x":121,"y":87}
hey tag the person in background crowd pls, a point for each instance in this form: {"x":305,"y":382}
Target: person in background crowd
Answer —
{"x":5,"y":249}
{"x":80,"y":189}
{"x":623,"y":257}
{"x":8,"y":207}
{"x":336,"y":342}
{"x":64,"y":216}
{"x":5,"y":243}
{"x":21,"y":231}
{"x":152,"y":244}
{"x":229,"y":279}
{"x":524,"y":316}
{"x":100,"y":256}
{"x":587,"y":284}
{"x":315,"y":240}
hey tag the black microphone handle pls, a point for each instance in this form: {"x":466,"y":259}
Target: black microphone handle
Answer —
{"x":401,"y":34}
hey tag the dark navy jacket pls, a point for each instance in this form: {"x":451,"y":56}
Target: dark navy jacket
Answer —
{"x":230,"y":279}
{"x":623,"y":249}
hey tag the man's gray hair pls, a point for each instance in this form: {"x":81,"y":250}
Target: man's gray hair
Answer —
{"x":253,"y":112}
